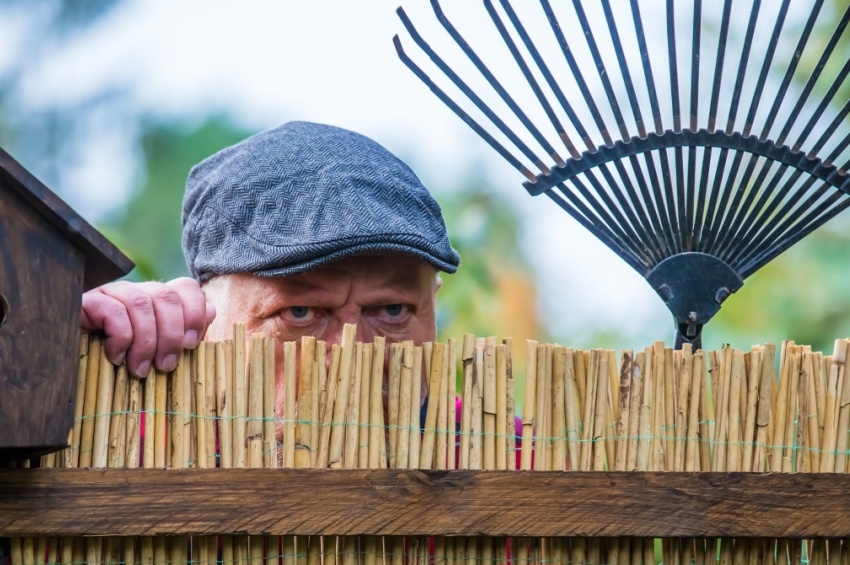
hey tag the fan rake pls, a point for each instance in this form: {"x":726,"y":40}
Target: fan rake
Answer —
{"x":694,"y":209}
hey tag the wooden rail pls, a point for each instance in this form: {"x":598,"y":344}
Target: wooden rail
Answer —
{"x":126,"y":502}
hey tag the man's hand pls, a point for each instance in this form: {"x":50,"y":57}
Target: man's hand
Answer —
{"x":147,"y":322}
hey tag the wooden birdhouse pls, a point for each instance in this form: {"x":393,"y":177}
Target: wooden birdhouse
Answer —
{"x":49,"y":256}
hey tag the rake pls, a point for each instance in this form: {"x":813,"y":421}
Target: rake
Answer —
{"x":695,"y":208}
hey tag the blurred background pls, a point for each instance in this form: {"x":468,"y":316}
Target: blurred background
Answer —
{"x":110,"y":103}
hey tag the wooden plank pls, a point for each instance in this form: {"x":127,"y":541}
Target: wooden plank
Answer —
{"x":118,"y":502}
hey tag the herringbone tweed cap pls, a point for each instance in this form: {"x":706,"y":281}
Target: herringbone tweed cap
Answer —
{"x":301,"y":195}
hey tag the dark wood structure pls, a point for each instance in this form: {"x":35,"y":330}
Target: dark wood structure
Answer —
{"x":49,"y":255}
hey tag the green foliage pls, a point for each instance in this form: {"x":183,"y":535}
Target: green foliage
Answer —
{"x":149,"y":229}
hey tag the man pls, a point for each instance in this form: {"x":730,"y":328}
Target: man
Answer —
{"x":294,"y":231}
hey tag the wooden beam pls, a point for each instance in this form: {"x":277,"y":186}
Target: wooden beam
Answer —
{"x":118,"y":502}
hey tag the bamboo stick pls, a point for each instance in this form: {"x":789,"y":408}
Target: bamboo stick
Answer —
{"x":270,"y":452}
{"x":352,"y":418}
{"x":200,"y":394}
{"x":559,"y":409}
{"x":684,"y":363}
{"x":692,"y":447}
{"x":209,"y":414}
{"x":625,"y":383}
{"x":240,"y":397}
{"x":477,"y":424}
{"x":467,"y":362}
{"x":763,"y":413}
{"x":319,"y":398}
{"x":442,"y":435}
{"x":529,"y":403}
{"x":377,"y":451}
{"x":289,"y":412}
{"x":117,"y":448}
{"x":490,"y":408}
{"x":365,"y":414}
{"x":830,"y":437}
{"x":510,"y":408}
{"x":405,"y":408}
{"x":255,"y":407}
{"x":394,"y":400}
{"x":599,"y":427}
{"x":789,"y":450}
{"x":843,"y":414}
{"x":635,"y":409}
{"x":426,"y":458}
{"x":416,"y":406}
{"x":501,"y":432}
{"x":346,"y":370}
{"x":102,"y":414}
{"x":721,"y":376}
{"x":327,"y":413}
{"x":572,"y":409}
{"x":159,"y":431}
{"x":753,"y":381}
{"x":304,"y":442}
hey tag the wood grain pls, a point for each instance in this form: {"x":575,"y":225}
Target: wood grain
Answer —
{"x":50,"y":502}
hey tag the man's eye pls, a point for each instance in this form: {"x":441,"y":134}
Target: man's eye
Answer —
{"x":299,"y":312}
{"x":394,"y":310}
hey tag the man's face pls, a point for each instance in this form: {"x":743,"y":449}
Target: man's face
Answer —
{"x":386,"y":295}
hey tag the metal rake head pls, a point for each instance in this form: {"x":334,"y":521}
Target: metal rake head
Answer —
{"x":694,"y":209}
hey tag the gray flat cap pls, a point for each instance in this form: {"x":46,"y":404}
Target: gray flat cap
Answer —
{"x":293,"y":198}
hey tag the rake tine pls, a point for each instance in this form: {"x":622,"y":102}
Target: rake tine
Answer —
{"x":780,"y":246}
{"x":637,"y":217}
{"x":771,"y":226}
{"x":837,"y":151}
{"x":731,"y":189}
{"x":706,"y":229}
{"x":600,"y":68}
{"x":722,"y":40}
{"x":716,"y":229}
{"x":672,"y":60}
{"x":653,"y":211}
{"x":497,"y":86}
{"x":647,"y":66}
{"x":550,"y":80}
{"x":603,"y":235}
{"x":615,"y":227}
{"x":742,"y":66}
{"x":804,"y":95}
{"x":672,"y":232}
{"x":827,"y":99}
{"x":576,"y":71}
{"x":641,"y":224}
{"x":710,"y":227}
{"x":544,"y":102}
{"x":767,"y":202}
{"x":735,"y":218}
{"x":792,"y":67}
{"x":765,"y":68}
{"x":672,"y":207}
{"x":697,"y":200}
{"x":516,"y":163}
{"x":633,"y":222}
{"x":830,"y":130}
{"x":685,"y":197}
{"x":469,"y":93}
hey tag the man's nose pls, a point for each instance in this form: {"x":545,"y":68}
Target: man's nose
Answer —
{"x":364,"y":333}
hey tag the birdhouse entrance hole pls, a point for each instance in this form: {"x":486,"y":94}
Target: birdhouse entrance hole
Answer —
{"x":4,"y":309}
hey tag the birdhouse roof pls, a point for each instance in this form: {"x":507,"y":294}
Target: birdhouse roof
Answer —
{"x":104,"y":261}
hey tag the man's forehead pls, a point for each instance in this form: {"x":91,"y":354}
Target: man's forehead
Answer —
{"x":383,"y":269}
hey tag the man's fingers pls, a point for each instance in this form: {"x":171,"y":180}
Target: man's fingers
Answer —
{"x":101,"y":312}
{"x":140,"y":310}
{"x":170,"y":326}
{"x":148,"y":324}
{"x":196,"y":316}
